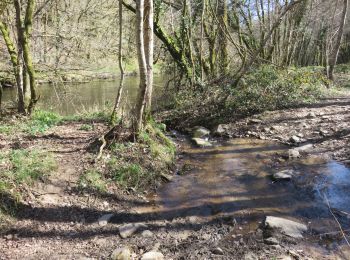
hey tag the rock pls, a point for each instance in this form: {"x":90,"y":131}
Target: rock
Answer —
{"x":271,"y":241}
{"x":294,"y":139}
{"x":201,"y":142}
{"x":217,"y":251}
{"x":276,"y":127}
{"x":254,"y":121}
{"x":199,"y":132}
{"x":293,"y":153}
{"x":152,"y":255}
{"x":103,"y":221}
{"x":167,"y":177}
{"x":284,"y":175}
{"x":147,"y":233}
{"x":123,"y":253}
{"x":311,"y":115}
{"x":324,"y":132}
{"x":220,"y":129}
{"x":250,"y":256}
{"x":285,"y":257}
{"x":286,"y":226}
{"x":128,"y":230}
{"x":304,"y":148}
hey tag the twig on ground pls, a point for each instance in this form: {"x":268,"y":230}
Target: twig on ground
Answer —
{"x":335,"y":218}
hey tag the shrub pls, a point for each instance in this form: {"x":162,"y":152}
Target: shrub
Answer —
{"x":269,"y":88}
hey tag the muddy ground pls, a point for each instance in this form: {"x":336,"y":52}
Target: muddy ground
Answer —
{"x":57,"y":221}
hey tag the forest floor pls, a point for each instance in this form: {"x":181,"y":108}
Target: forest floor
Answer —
{"x":58,"y":221}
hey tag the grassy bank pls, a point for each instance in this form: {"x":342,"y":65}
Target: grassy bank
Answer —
{"x":125,"y":165}
{"x":139,"y":166}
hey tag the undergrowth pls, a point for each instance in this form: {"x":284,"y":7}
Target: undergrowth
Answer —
{"x":263,"y":88}
{"x":136,"y":165}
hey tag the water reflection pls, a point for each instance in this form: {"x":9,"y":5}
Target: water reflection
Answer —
{"x":68,"y":98}
{"x":234,"y":178}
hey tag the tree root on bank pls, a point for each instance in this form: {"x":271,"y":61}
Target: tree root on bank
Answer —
{"x":117,"y":133}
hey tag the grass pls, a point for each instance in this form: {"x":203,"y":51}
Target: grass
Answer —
{"x":93,"y":180}
{"x":86,"y":127}
{"x":92,"y":114}
{"x":136,"y":165}
{"x":41,"y":121}
{"x":22,"y":167}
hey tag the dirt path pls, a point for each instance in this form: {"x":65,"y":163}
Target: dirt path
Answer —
{"x":58,"y":222}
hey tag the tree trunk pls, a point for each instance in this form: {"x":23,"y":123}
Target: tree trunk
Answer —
{"x":120,"y":63}
{"x":28,"y":23}
{"x":335,"y":50}
{"x":16,"y":64}
{"x":141,"y":101}
{"x":148,"y":41}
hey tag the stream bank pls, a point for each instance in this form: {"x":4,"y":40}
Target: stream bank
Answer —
{"x":216,"y":209}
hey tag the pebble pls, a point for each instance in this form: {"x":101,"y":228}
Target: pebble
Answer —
{"x":128,"y":230}
{"x":152,"y":255}
{"x":123,"y":253}
{"x":103,"y":221}
{"x":147,"y":233}
{"x":271,"y":241}
{"x":217,"y":251}
{"x":294,"y":139}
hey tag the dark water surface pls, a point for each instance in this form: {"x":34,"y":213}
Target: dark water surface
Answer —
{"x":72,"y":98}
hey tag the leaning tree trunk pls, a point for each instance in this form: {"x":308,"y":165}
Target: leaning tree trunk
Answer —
{"x":15,"y":57}
{"x":120,"y":63}
{"x":335,"y":50}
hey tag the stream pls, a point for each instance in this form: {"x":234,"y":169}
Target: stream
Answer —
{"x":233,"y":179}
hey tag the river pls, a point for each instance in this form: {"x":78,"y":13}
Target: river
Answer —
{"x":72,"y":98}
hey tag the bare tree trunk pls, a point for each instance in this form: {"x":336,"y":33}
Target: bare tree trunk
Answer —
{"x":149,"y":42}
{"x":20,"y":63}
{"x":335,"y":50}
{"x":141,"y":101}
{"x":120,"y":63}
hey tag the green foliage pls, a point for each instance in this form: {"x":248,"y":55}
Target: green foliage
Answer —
{"x":130,"y":175}
{"x":42,"y":120}
{"x":86,"y":127}
{"x":6,"y":129}
{"x":139,"y":165}
{"x":93,"y":180}
{"x":30,"y":165}
{"x":92,"y":114}
{"x":270,"y":88}
{"x":160,"y":146}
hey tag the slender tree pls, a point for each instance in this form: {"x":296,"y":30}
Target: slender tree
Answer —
{"x":333,"y":56}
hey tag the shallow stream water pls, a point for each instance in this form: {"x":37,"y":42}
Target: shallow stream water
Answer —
{"x":233,"y":179}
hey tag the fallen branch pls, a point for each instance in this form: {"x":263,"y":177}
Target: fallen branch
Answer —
{"x":335,"y":218}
